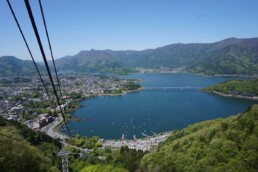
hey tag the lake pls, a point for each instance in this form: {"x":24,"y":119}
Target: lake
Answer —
{"x":156,"y":109}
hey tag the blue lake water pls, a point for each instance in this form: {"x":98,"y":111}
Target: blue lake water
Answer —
{"x":156,"y":110}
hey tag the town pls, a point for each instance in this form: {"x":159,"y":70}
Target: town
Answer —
{"x":24,"y":98}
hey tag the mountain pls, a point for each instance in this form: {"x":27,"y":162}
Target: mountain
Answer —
{"x":229,"y":144}
{"x":229,"y":56}
{"x":11,"y":66}
{"x":89,"y":61}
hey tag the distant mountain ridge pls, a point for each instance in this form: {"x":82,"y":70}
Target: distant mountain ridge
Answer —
{"x":11,"y":66}
{"x":231,"y":56}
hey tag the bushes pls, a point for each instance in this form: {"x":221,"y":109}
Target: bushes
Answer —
{"x":241,"y":86}
{"x":85,"y":142}
{"x":229,"y":144}
{"x":23,"y":156}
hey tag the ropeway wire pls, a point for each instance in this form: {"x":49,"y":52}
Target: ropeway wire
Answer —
{"x":45,"y":60}
{"x":24,"y":39}
{"x":35,"y":62}
{"x":50,"y":47}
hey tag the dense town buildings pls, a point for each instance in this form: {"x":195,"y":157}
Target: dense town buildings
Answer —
{"x":25,"y":99}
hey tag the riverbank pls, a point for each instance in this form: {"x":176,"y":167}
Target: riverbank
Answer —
{"x":232,"y":95}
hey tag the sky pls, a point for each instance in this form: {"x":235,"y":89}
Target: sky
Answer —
{"x":76,"y":25}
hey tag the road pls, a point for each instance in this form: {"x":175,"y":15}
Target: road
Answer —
{"x":51,"y":130}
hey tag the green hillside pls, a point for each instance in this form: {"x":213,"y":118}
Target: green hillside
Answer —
{"x":33,"y":151}
{"x":239,"y":86}
{"x":229,"y":144}
{"x":11,"y":66}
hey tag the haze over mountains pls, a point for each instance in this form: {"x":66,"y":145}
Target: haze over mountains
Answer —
{"x":229,"y":56}
{"x":10,"y":66}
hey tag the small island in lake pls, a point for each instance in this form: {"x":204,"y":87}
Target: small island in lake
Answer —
{"x":247,"y":89}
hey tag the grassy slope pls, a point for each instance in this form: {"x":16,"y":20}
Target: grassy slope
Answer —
{"x":229,"y":144}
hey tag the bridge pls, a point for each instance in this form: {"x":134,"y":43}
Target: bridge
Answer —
{"x":172,"y":88}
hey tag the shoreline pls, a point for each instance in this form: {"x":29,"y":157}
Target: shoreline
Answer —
{"x":55,"y":130}
{"x":200,"y":74}
{"x":123,"y":93}
{"x":221,"y":75}
{"x":233,"y":96}
{"x":98,"y":95}
{"x":144,"y":144}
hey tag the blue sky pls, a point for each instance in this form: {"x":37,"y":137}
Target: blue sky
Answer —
{"x":76,"y":25}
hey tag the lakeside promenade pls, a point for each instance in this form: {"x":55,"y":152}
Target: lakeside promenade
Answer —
{"x":144,"y":144}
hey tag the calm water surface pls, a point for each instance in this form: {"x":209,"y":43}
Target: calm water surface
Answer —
{"x":156,"y":110}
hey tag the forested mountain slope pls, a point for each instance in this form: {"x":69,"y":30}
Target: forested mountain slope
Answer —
{"x":230,"y":56}
{"x":229,"y":144}
{"x":28,"y":150}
